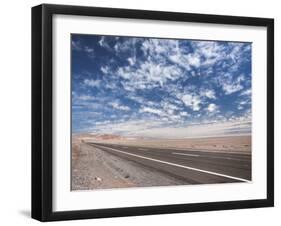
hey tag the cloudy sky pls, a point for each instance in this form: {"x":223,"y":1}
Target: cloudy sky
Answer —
{"x":160,"y":87}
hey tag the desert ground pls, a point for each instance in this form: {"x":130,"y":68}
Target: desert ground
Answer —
{"x":110,"y":161}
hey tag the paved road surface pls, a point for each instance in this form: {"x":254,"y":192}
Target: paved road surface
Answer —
{"x":194,"y":167}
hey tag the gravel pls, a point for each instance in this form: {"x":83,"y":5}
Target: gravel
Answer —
{"x":93,"y":168}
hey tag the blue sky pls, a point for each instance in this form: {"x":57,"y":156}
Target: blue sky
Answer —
{"x":160,"y":87}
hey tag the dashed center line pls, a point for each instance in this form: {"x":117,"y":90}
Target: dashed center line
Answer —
{"x":143,"y":149}
{"x":193,"y":155}
{"x":228,"y":158}
{"x":215,"y":157}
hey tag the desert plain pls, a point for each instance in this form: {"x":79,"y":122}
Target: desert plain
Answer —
{"x":104,"y":161}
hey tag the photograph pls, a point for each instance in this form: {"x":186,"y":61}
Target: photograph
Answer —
{"x":150,"y":111}
{"x":142,"y":112}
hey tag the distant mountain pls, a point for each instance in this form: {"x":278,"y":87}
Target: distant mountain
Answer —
{"x":109,"y":137}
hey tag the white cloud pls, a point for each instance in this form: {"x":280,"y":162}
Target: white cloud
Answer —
{"x":184,"y":113}
{"x":164,"y":115}
{"x":148,"y":75}
{"x":88,"y":49}
{"x":165,"y":110}
{"x":211,"y":51}
{"x":192,"y":101}
{"x":212,"y":107}
{"x":168,"y":106}
{"x":138,"y":99}
{"x":92,"y":82}
{"x":85,"y":97}
{"x":193,"y":59}
{"x":208,"y":49}
{"x":111,"y":85}
{"x":186,"y":61}
{"x":126,"y":46}
{"x":170,"y":111}
{"x":247,"y":92}
{"x":230,"y":85}
{"x":152,"y":111}
{"x":242,"y":103}
{"x":118,"y":106}
{"x":210,"y":94}
{"x":131,"y":60}
{"x":76,"y":45}
{"x":239,"y":53}
{"x":126,"y":128}
{"x":103,"y":43}
{"x":124,"y":72}
{"x":170,"y":50}
{"x":156,"y":47}
{"x":157,"y":129}
{"x":151,"y":103}
{"x":105,"y":69}
{"x":231,"y":88}
{"x":156,"y":70}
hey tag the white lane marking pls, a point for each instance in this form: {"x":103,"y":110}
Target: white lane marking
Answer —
{"x":181,"y":166}
{"x":213,"y":151}
{"x":229,"y":158}
{"x":143,"y":149}
{"x":215,"y":157}
{"x":193,"y":155}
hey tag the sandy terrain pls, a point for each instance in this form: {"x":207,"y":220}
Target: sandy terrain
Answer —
{"x":231,"y":144}
{"x":95,"y":169}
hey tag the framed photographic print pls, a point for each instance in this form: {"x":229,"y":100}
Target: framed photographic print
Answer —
{"x":145,"y":112}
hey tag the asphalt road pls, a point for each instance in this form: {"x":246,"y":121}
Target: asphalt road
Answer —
{"x":193,"y":167}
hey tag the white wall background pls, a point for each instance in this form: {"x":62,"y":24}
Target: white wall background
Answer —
{"x":15,"y":118}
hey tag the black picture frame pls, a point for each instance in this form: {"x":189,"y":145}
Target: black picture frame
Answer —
{"x":42,"y":107}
